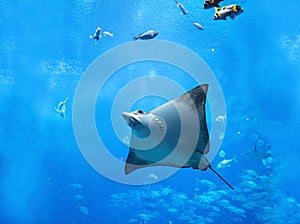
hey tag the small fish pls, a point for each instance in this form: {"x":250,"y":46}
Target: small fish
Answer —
{"x":83,"y":209}
{"x":97,"y":34}
{"x":291,"y":200}
{"x":150,"y":34}
{"x":226,"y":163}
{"x":106,"y":33}
{"x":249,"y":184}
{"x":183,"y":10}
{"x":211,"y":3}
{"x":249,"y":174}
{"x":61,"y":108}
{"x":78,"y":197}
{"x":222,"y":13}
{"x":197,"y":25}
{"x":76,"y":186}
{"x":228,"y":11}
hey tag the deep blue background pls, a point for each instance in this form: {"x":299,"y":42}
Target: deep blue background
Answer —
{"x":44,"y":50}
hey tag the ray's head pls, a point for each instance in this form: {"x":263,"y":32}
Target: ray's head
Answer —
{"x":144,"y":124}
{"x":139,"y":122}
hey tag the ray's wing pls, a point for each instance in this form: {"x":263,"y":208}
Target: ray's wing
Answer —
{"x":195,"y":98}
{"x":133,"y":162}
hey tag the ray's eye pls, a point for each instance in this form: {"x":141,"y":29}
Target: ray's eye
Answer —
{"x":138,"y":112}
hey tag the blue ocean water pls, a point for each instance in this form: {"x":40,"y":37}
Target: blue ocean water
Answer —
{"x":44,"y":51}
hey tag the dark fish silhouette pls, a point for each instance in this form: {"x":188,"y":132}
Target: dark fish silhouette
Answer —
{"x":211,"y":3}
{"x":256,"y":155}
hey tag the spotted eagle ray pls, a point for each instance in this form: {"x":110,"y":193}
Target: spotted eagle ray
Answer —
{"x":174,"y":134}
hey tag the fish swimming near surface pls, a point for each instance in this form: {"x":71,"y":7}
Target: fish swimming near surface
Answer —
{"x":226,"y":163}
{"x":161,"y":138}
{"x":78,"y":197}
{"x":76,"y":185}
{"x":106,"y":33}
{"x":198,"y":26}
{"x":61,"y":108}
{"x":150,"y":34}
{"x":256,"y":155}
{"x":228,"y":11}
{"x":211,"y":3}
{"x":97,"y":35}
{"x":183,"y":10}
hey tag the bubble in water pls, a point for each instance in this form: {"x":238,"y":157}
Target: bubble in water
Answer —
{"x":221,"y":136}
{"x":126,"y":140}
{"x":152,"y":73}
{"x":259,"y":143}
{"x":153,"y":176}
{"x":220,"y":118}
{"x":260,"y":128}
{"x":222,"y":154}
{"x":269,"y":160}
{"x":254,"y":137}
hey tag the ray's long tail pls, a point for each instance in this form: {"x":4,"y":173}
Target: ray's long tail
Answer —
{"x":228,"y":184}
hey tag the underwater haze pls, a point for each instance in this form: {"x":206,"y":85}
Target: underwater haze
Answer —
{"x":45,"y":49}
